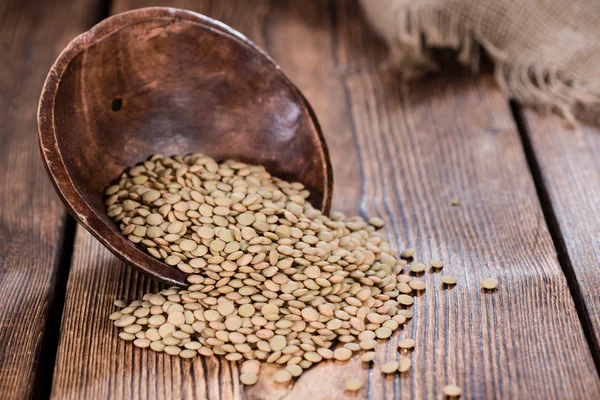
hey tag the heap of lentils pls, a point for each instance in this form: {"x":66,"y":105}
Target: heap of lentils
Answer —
{"x":271,"y":278}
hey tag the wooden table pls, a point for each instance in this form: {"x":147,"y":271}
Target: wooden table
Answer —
{"x":528,"y":187}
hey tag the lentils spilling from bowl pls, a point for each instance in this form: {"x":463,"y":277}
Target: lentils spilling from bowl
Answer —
{"x":271,"y":278}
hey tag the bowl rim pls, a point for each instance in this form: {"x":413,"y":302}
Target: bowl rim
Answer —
{"x":52,"y":157}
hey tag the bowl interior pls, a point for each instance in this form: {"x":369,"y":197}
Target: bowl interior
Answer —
{"x":153,"y":83}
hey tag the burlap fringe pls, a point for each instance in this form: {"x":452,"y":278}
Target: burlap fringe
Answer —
{"x":420,"y":29}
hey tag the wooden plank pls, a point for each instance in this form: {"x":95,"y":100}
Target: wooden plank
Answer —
{"x":32,"y":219}
{"x":402,"y":152}
{"x":92,"y":363}
{"x":569,"y":162}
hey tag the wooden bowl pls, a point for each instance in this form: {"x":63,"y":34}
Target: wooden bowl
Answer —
{"x":169,"y":81}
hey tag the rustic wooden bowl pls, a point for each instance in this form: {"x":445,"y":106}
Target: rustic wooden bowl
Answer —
{"x":170,"y":81}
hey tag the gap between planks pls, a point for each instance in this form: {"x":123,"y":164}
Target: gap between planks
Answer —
{"x":42,"y":385}
{"x":44,"y":374}
{"x":556,"y":233}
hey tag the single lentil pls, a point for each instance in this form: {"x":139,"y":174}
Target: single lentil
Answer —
{"x":353,"y":385}
{"x":417,"y":267}
{"x":407,"y":253}
{"x":452,"y":391}
{"x":282,"y":376}
{"x":404,"y":365}
{"x":389,"y":367}
{"x":406,"y":343}
{"x":248,"y":378}
{"x":449,"y":279}
{"x":368,"y":356}
{"x":489,"y":283}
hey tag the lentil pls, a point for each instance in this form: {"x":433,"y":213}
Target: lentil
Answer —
{"x":272,"y":279}
{"x":452,"y":391}
{"x":489,"y":284}
{"x":353,"y":385}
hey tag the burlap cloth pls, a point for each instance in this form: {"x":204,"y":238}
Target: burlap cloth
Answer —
{"x":546,"y":52}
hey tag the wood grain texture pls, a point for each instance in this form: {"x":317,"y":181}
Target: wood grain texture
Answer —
{"x":402,"y":152}
{"x":569,"y":161}
{"x":32,"y":219}
{"x":92,"y":364}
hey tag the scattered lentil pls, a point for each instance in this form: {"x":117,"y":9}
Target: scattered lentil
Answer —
{"x":389,"y":367}
{"x":406,"y":343}
{"x":353,"y":385}
{"x":294,"y":370}
{"x":282,"y":376}
{"x":272,"y":279}
{"x":489,"y":283}
{"x":120,"y":303}
{"x":407,"y":253}
{"x":376,"y":222}
{"x":417,"y":267}
{"x":248,"y":378}
{"x":417,"y":284}
{"x":452,"y":391}
{"x":404,"y":365}
{"x":342,"y":354}
{"x":449,"y":279}
{"x":368,"y":356}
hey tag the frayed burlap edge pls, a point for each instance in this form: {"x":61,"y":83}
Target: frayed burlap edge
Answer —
{"x":419,"y":30}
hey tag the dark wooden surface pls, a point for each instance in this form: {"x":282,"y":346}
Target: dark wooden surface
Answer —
{"x":418,"y":147}
{"x":569,"y":163}
{"x":400,"y":151}
{"x":32,"y":219}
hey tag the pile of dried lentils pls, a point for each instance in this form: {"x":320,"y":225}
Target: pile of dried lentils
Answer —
{"x":271,"y":278}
